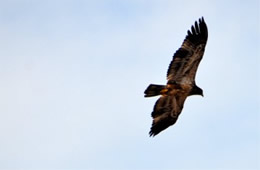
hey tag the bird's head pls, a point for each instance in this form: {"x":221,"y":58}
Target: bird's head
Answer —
{"x":196,"y":91}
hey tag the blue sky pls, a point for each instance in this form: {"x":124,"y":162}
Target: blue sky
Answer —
{"x":73,"y":73}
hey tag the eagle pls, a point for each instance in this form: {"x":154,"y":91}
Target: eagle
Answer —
{"x":180,"y":79}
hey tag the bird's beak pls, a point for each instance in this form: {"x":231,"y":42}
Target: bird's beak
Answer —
{"x":202,"y":95}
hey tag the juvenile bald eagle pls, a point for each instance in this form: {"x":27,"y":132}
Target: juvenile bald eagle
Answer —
{"x":181,"y":79}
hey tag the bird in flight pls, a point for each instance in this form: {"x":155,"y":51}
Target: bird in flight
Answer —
{"x":180,"y":79}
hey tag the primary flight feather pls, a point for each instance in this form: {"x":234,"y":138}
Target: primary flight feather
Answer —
{"x":181,"y":79}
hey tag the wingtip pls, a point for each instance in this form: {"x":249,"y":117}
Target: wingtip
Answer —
{"x":198,"y":32}
{"x":189,"y":33}
{"x":201,"y":20}
{"x":151,"y":134}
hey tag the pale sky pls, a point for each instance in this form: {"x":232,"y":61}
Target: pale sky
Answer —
{"x":73,"y":73}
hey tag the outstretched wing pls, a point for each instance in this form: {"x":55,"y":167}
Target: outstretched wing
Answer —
{"x":166,"y":112}
{"x":185,"y":61}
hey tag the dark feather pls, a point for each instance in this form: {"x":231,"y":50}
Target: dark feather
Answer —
{"x":153,"y":90}
{"x":197,"y":27}
{"x":181,"y":79}
{"x":187,"y":58}
{"x":165,"y":113}
{"x":162,"y":125}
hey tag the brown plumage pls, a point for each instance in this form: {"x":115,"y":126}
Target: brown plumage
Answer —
{"x":181,"y":79}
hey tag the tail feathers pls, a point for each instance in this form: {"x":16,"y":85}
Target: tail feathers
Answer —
{"x":153,"y":90}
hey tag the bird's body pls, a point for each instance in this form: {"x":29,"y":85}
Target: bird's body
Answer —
{"x":181,"y":79}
